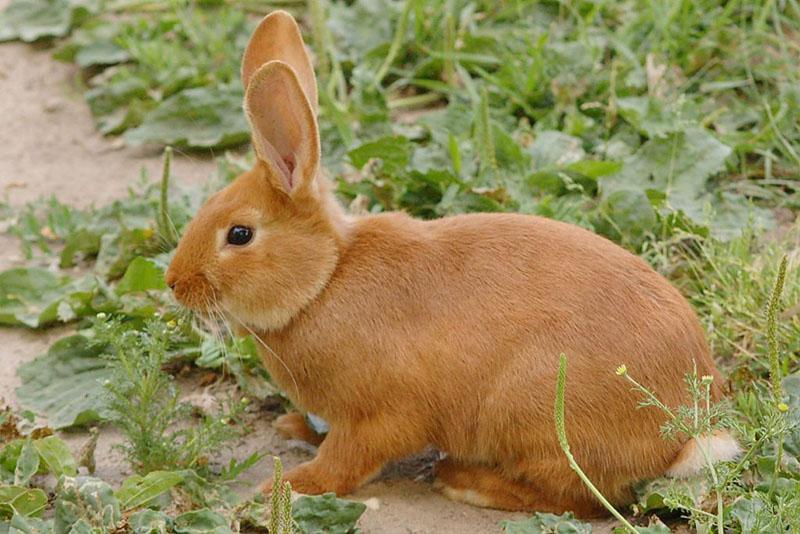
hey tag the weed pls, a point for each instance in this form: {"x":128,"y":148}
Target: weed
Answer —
{"x":280,"y":508}
{"x":144,"y":402}
{"x":561,"y":431}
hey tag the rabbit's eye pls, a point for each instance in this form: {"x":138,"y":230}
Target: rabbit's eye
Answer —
{"x":239,"y":235}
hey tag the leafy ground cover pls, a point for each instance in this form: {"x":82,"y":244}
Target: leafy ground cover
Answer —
{"x":672,"y":127}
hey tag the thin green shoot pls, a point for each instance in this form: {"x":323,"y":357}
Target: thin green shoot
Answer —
{"x":561,"y":431}
{"x":775,"y":374}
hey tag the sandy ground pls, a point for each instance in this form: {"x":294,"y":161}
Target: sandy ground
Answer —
{"x":48,"y":146}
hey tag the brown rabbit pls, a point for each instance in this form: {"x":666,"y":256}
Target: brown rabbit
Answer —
{"x":404,"y":333}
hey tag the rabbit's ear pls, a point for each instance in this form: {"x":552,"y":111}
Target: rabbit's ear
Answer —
{"x":278,"y":37}
{"x":285,"y":134}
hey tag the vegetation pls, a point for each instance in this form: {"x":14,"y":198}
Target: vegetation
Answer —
{"x":670,"y":126}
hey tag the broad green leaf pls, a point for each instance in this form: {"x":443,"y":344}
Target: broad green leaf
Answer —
{"x":594,"y":169}
{"x":150,"y":522}
{"x":202,"y":521}
{"x":119,"y":249}
{"x":791,"y":391}
{"x":657,"y":528}
{"x":326,"y":514}
{"x":24,"y":293}
{"x":206,"y":493}
{"x":674,"y":172}
{"x":342,"y":18}
{"x":66,"y":383}
{"x":203,"y":117}
{"x":30,"y":20}
{"x":56,"y":456}
{"x":29,"y":525}
{"x":509,"y":153}
{"x":32,"y":296}
{"x":107,"y":98}
{"x":546,"y":523}
{"x":679,"y":165}
{"x":655,"y":495}
{"x":750,"y":514}
{"x":21,"y":500}
{"x":85,"y":504}
{"x":253,"y":515}
{"x":138,"y":491}
{"x":9,"y":458}
{"x":212,"y":353}
{"x":649,"y":116}
{"x":142,"y":274}
{"x":626,"y":215}
{"x":393,"y":151}
{"x":556,"y":149}
{"x":730,"y":214}
{"x":27,"y":464}
{"x":100,"y":53}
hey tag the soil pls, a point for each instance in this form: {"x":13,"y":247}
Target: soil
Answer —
{"x":49,"y":146}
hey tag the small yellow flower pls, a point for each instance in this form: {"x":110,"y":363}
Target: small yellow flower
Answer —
{"x":706,"y":380}
{"x":622,"y":370}
{"x":783,"y":407}
{"x":171,"y":323}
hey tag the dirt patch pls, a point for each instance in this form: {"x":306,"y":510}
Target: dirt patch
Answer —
{"x":48,"y":146}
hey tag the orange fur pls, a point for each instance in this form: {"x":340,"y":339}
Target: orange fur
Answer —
{"x":293,"y":425}
{"x":402,"y":333}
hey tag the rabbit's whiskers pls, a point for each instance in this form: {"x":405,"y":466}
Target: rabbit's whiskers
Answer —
{"x":269,"y":349}
{"x":223,"y":321}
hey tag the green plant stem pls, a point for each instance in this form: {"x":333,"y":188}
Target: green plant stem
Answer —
{"x":319,"y":32}
{"x":275,"y":498}
{"x":775,"y":374}
{"x":488,"y":157}
{"x":649,"y":394}
{"x":717,"y":488}
{"x":394,"y":48}
{"x":448,"y":68}
{"x":561,"y":431}
{"x":165,"y":228}
{"x":415,"y":101}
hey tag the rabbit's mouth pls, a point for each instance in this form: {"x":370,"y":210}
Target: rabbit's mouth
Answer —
{"x":195,"y":293}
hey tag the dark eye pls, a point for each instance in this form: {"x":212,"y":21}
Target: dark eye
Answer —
{"x":239,"y":235}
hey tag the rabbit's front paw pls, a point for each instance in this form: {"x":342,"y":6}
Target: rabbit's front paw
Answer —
{"x":293,"y":425}
{"x":309,"y":482}
{"x":306,"y":479}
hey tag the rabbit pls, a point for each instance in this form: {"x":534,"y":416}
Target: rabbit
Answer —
{"x":404,"y":334}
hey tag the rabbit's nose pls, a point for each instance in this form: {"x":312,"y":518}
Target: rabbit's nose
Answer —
{"x":171,"y":280}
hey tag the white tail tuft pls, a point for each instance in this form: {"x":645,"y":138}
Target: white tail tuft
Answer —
{"x":721,"y":446}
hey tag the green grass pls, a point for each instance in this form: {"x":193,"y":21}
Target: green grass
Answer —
{"x":670,"y":126}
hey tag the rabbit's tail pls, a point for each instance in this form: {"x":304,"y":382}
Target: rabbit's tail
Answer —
{"x":720,"y":446}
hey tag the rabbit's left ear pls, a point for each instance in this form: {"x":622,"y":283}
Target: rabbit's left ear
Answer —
{"x":283,"y":124}
{"x":278,"y":37}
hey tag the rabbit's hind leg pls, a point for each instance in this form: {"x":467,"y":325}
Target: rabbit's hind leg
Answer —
{"x":488,"y":487}
{"x":480,"y":485}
